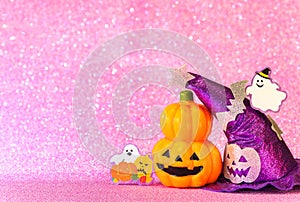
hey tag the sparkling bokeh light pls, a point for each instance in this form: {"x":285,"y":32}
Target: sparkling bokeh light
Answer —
{"x":44,"y":45}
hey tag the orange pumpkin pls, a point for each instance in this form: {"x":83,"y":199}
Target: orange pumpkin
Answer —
{"x":186,"y":120}
{"x":184,"y":158}
{"x":182,"y":164}
{"x":123,"y":171}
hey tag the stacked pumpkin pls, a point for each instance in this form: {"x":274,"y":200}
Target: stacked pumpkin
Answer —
{"x":185,"y":158}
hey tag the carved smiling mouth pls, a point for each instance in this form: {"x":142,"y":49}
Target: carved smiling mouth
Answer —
{"x":238,"y":172}
{"x":142,"y":171}
{"x":180,"y":171}
{"x":259,"y":85}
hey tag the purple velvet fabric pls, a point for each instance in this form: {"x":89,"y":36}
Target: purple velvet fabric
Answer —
{"x":250,"y":129}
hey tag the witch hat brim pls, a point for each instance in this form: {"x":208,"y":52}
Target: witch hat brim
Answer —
{"x":285,"y":183}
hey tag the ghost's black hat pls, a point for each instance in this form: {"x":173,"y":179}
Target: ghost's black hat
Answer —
{"x":265,"y":73}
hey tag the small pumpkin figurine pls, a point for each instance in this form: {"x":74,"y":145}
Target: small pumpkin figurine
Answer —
{"x":123,"y":172}
{"x":185,"y":158}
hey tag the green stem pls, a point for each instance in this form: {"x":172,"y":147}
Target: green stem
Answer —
{"x":186,"y":95}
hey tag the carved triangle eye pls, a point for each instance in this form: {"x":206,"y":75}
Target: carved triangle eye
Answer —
{"x":243,"y":159}
{"x":228,"y":156}
{"x":194,"y":157}
{"x":178,"y":158}
{"x":167,"y":154}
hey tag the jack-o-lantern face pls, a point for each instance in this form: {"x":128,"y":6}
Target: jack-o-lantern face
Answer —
{"x":143,"y":165}
{"x":185,"y":158}
{"x":182,"y":164}
{"x":241,"y":165}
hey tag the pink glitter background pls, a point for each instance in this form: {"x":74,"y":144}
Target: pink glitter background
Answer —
{"x":44,"y":45}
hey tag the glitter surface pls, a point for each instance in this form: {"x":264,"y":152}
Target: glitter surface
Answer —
{"x":43,"y":46}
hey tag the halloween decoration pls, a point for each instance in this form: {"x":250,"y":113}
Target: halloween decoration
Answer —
{"x":265,"y":94}
{"x":144,"y":168}
{"x":129,"y":154}
{"x":186,"y":117}
{"x":124,"y":171}
{"x":241,"y":165}
{"x":257,"y":155}
{"x":185,"y":158}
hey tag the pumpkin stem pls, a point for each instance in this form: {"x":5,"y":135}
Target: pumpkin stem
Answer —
{"x":186,"y":95}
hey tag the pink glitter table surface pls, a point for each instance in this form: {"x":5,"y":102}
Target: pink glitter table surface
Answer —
{"x":45,"y":43}
{"x":99,"y":191}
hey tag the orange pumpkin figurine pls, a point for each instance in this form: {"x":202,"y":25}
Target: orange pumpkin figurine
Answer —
{"x":185,"y":158}
{"x":123,"y":172}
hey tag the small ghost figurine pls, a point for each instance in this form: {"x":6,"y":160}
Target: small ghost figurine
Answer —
{"x":129,"y":155}
{"x":265,"y":95}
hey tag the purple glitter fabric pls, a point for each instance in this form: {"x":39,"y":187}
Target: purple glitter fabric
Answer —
{"x":251,"y":129}
{"x":285,"y":183}
{"x":213,"y":95}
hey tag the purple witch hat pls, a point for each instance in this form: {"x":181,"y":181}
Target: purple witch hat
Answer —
{"x":255,"y":156}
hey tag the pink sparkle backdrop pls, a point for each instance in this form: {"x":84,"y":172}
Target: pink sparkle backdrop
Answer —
{"x":44,"y":45}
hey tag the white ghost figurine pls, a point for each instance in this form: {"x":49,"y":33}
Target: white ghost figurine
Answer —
{"x":129,"y":155}
{"x":264,"y":94}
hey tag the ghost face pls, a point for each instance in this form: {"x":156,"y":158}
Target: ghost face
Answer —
{"x":131,"y":150}
{"x":259,"y":82}
{"x":241,"y":165}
